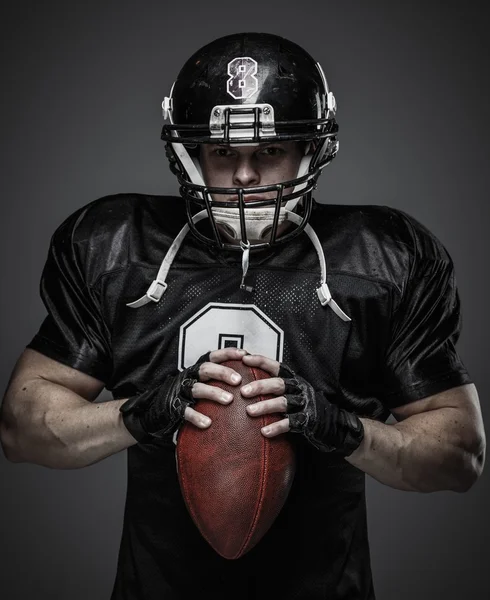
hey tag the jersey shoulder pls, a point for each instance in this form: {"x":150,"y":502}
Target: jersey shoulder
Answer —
{"x":417,"y":238}
{"x":375,"y":241}
{"x":113,"y":231}
{"x":380,"y":222}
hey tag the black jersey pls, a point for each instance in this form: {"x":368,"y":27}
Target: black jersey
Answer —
{"x":390,"y":275}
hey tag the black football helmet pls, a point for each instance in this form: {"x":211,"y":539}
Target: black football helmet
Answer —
{"x":249,"y":88}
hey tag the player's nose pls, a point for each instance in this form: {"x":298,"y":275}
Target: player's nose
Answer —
{"x":246,"y":173}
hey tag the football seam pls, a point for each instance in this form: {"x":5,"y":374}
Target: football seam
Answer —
{"x":260,"y":498}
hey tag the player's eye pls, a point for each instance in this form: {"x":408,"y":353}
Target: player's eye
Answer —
{"x":222,"y":151}
{"x":272,"y":151}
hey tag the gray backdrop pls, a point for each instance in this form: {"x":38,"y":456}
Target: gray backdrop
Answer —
{"x":82,"y":85}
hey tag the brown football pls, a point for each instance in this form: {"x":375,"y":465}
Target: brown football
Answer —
{"x":233,"y":479}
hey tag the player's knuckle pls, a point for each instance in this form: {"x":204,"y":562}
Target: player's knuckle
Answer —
{"x":276,"y":405}
{"x":270,"y":405}
{"x":208,"y":391}
{"x":189,"y":414}
{"x":214,"y":356}
{"x":270,"y":388}
{"x":206,"y":370}
{"x":273,"y":430}
{"x":261,"y":407}
{"x":278,"y":385}
{"x":255,"y":388}
{"x":256,"y":408}
{"x":196,"y":389}
{"x":202,"y":371}
{"x":196,"y":418}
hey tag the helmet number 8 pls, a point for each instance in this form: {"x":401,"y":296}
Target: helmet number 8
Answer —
{"x":242,"y":82}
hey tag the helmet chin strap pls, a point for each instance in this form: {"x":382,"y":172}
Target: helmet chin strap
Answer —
{"x":193,"y":167}
{"x":303,"y":170}
{"x":159,"y":285}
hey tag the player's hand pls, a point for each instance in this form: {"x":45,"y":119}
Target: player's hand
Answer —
{"x":314,"y":414}
{"x":273,"y":386}
{"x":213,"y":370}
{"x":158,"y":412}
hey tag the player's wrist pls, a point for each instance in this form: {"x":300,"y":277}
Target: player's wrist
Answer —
{"x":156,"y":413}
{"x":341,"y":432}
{"x":133,"y":414}
{"x":316,"y":415}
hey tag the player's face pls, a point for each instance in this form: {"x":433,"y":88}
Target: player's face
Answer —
{"x":250,"y":166}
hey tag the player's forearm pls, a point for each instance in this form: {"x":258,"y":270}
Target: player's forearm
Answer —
{"x":59,"y":429}
{"x":416,"y":455}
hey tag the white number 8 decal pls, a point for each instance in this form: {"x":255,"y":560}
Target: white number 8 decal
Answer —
{"x":242,"y":82}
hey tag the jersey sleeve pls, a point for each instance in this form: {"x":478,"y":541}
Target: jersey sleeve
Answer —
{"x":422,"y":359}
{"x":73,"y":332}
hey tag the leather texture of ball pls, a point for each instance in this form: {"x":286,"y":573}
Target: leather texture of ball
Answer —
{"x":233,"y":479}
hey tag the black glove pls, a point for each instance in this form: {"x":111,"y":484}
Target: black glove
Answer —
{"x":157,"y":413}
{"x":325,"y":425}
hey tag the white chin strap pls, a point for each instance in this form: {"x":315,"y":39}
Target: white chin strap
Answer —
{"x":258,"y":222}
{"x":159,"y":285}
{"x":303,"y":170}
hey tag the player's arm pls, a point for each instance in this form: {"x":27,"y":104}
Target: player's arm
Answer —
{"x":437,"y":444}
{"x":48,"y":415}
{"x":49,"y":418}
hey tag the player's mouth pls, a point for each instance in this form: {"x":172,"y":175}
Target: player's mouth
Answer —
{"x":249,"y":198}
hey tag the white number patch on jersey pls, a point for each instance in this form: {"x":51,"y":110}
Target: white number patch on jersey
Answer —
{"x":242,"y":82}
{"x":220,"y":325}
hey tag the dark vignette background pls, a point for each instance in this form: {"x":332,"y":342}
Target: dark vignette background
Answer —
{"x":81,"y":88}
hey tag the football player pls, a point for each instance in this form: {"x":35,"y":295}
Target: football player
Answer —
{"x":352,"y":310}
